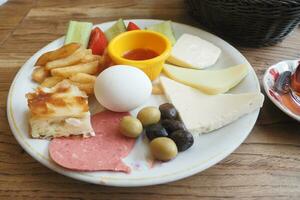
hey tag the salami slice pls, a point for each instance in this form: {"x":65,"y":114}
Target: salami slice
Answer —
{"x":102,"y":152}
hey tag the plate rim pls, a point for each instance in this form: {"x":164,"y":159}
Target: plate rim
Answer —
{"x":189,"y":171}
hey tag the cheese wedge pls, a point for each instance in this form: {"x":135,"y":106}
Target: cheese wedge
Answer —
{"x":208,"y":81}
{"x":193,"y":52}
{"x":203,"y":113}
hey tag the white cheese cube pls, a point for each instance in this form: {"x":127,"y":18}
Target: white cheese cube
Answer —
{"x":193,"y":52}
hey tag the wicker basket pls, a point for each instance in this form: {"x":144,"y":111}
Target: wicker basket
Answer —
{"x":251,"y":23}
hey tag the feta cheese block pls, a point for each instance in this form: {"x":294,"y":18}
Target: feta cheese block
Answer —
{"x":193,"y":52}
{"x":203,"y":113}
{"x":208,"y":81}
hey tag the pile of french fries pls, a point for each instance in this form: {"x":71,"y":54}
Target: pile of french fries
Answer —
{"x":72,"y":62}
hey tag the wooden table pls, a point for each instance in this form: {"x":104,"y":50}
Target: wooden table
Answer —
{"x":265,"y":166}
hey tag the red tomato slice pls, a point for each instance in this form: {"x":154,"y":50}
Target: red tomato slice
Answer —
{"x":98,"y":42}
{"x":132,"y":26}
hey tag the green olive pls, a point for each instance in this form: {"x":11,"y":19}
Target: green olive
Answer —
{"x":131,"y":126}
{"x":163,"y":148}
{"x":149,"y":115}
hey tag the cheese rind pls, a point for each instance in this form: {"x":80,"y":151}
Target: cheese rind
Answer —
{"x":203,"y":113}
{"x":208,"y":81}
{"x":193,"y":52}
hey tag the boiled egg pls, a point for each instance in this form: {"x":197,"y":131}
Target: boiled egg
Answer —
{"x":121,"y":88}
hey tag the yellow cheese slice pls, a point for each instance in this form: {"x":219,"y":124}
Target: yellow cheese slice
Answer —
{"x":208,"y":81}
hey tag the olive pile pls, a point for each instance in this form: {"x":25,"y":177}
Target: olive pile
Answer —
{"x":166,"y":133}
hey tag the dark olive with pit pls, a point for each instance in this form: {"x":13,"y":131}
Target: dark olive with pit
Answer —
{"x":183,"y":139}
{"x":155,"y":130}
{"x":172,"y":125}
{"x":168,"y":111}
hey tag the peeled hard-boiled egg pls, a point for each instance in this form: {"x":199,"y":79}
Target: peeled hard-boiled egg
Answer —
{"x":121,"y":88}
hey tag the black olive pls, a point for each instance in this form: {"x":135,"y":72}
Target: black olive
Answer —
{"x":183,"y":139}
{"x":172,"y":125}
{"x":155,"y":130}
{"x":168,"y":111}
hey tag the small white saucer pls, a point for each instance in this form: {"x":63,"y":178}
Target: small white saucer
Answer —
{"x":269,"y":79}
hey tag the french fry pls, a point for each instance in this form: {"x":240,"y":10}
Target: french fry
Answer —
{"x":86,"y":87}
{"x":101,"y":60}
{"x":88,"y":68}
{"x":39,"y":74}
{"x":67,"y":61}
{"x":62,"y":52}
{"x":105,"y":61}
{"x":90,"y":58}
{"x":51,"y":81}
{"x":83,"y":78}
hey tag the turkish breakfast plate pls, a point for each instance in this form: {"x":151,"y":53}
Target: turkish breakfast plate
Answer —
{"x":133,"y":102}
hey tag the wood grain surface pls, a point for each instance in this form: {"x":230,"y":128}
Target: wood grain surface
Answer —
{"x":265,"y":166}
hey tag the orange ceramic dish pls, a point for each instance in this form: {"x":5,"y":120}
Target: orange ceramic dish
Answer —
{"x":141,"y":39}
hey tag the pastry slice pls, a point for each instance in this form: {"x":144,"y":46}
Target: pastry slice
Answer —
{"x":59,"y":111}
{"x":203,"y":113}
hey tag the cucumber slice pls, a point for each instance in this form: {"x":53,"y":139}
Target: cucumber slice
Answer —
{"x":116,"y":29}
{"x":79,"y":32}
{"x":164,"y":28}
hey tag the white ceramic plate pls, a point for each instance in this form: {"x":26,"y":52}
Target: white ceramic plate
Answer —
{"x":207,"y":150}
{"x":269,"y":79}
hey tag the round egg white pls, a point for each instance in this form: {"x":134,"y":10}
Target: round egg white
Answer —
{"x":121,"y":88}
